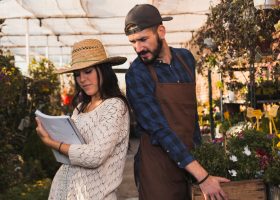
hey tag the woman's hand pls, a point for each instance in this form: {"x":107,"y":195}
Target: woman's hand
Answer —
{"x":47,"y":140}
{"x":42,"y":133}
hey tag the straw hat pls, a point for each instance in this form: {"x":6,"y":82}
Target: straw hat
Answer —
{"x":87,"y":53}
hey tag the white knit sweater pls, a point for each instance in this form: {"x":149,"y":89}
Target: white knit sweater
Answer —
{"x":96,"y":167}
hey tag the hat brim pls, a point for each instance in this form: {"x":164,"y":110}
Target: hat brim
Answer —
{"x":117,"y":60}
{"x":167,"y":18}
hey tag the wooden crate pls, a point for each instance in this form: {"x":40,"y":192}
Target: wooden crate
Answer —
{"x":238,"y":190}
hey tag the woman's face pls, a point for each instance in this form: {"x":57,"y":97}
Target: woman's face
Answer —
{"x":88,"y":80}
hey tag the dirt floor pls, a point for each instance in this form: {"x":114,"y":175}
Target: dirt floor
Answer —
{"x":127,"y":189}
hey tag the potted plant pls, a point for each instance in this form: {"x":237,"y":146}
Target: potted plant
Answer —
{"x":234,"y":89}
{"x":249,"y":158}
{"x":234,"y":85}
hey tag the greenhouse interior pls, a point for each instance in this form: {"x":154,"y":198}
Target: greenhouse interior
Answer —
{"x":234,"y":47}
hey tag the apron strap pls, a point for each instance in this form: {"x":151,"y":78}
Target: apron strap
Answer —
{"x":186,"y":66}
{"x":189,"y":72}
{"x":153,"y":72}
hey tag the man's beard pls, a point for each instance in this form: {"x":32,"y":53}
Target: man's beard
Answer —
{"x":154,"y":53}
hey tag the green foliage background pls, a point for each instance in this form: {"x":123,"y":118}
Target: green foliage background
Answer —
{"x":23,"y":158}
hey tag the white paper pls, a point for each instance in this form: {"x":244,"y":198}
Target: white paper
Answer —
{"x":62,"y":129}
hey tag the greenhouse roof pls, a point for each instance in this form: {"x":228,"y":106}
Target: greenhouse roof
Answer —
{"x":51,"y":27}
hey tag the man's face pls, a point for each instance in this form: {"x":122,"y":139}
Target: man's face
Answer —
{"x":147,"y":45}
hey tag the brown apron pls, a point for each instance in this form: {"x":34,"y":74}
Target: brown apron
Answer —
{"x":160,"y":177}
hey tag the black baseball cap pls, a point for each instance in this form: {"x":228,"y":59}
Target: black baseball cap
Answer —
{"x":142,"y":16}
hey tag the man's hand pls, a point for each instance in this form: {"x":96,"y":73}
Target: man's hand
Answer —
{"x":210,"y":187}
{"x":212,"y":190}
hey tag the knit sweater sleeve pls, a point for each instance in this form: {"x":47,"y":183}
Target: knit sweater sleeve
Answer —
{"x":105,"y":131}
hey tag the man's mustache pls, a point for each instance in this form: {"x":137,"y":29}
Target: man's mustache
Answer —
{"x":143,"y":52}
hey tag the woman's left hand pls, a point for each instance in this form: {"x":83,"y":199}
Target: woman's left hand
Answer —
{"x":42,"y":133}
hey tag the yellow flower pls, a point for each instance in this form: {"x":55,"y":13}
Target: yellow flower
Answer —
{"x":226,"y":115}
{"x":278,"y":145}
{"x":39,"y":183}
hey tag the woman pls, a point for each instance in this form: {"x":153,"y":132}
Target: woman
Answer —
{"x":102,"y":117}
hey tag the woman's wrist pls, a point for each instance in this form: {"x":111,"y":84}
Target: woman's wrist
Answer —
{"x":51,"y":143}
{"x":59,"y":147}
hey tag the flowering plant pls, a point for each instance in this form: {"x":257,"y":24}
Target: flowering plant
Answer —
{"x":250,"y":154}
{"x":234,"y":85}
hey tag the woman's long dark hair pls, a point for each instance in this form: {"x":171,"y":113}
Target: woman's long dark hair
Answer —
{"x":108,"y":89}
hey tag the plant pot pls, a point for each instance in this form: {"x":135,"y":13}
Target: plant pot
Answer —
{"x":265,"y":4}
{"x":242,"y":190}
{"x":231,"y":96}
{"x":273,"y":192}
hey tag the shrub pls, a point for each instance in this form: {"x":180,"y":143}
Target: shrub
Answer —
{"x":39,"y":190}
{"x":250,"y":154}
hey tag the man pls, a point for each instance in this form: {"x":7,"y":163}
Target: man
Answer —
{"x":161,"y":90}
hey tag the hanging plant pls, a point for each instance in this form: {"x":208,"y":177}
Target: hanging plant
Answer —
{"x":234,"y":85}
{"x":239,"y":31}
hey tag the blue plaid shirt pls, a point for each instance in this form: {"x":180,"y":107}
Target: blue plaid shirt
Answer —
{"x":140,"y":93}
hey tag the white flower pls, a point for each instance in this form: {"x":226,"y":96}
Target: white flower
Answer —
{"x":233,"y":158}
{"x":238,"y":128}
{"x":232,"y":172}
{"x":246,"y":151}
{"x":259,"y":174}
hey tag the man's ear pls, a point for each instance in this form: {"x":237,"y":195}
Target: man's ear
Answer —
{"x":161,"y":31}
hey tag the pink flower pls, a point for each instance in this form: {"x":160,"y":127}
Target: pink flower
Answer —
{"x":240,"y":135}
{"x":218,"y":140}
{"x":264,"y":158}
